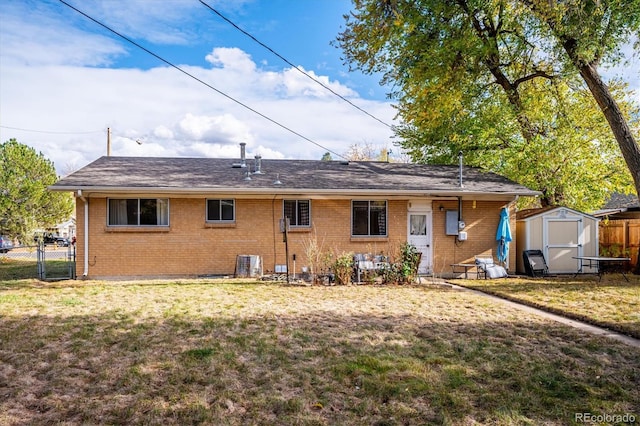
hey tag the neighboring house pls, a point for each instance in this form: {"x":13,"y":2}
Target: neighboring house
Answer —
{"x":620,"y":206}
{"x":620,"y":228}
{"x":164,"y":217}
{"x":66,"y":229}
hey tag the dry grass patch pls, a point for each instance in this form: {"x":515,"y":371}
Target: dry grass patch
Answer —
{"x":611,"y":302}
{"x":205,"y":352}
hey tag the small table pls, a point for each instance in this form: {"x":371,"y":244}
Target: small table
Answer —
{"x":466,"y":267}
{"x":599,"y":261}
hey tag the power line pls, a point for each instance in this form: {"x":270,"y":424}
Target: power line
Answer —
{"x":51,"y":131}
{"x":292,"y":65}
{"x":198,"y":80}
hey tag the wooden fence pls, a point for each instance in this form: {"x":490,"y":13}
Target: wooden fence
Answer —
{"x":620,"y":238}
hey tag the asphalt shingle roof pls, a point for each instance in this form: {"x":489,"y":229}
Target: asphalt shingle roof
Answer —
{"x":622,"y":201}
{"x":211,"y":174}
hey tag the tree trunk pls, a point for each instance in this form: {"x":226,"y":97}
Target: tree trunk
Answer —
{"x":611,"y":111}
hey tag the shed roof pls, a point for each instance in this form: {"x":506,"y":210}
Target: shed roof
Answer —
{"x":532,"y":213}
{"x":202,"y":175}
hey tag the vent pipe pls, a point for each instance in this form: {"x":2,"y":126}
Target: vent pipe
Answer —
{"x":258,"y":165}
{"x":243,"y":158}
{"x":460,"y":161}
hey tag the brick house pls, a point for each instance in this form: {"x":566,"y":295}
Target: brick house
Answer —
{"x":170,"y":217}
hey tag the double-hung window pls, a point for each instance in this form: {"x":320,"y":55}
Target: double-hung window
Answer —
{"x":369,"y":218}
{"x":138,"y":212}
{"x":298,"y":212}
{"x":221,"y":210}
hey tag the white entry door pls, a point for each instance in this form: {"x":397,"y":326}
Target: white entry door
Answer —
{"x":419,"y":234}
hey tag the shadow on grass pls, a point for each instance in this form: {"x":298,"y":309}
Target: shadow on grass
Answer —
{"x":317,"y":368}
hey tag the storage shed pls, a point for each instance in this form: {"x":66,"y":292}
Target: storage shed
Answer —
{"x":560,"y":233}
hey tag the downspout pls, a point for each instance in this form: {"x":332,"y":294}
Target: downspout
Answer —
{"x":86,"y":233}
{"x":460,"y":165}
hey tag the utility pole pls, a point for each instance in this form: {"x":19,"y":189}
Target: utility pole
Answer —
{"x":108,"y":141}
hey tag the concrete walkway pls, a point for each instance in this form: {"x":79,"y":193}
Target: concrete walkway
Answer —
{"x":588,"y":328}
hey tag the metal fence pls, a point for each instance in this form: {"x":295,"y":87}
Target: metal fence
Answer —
{"x":48,"y":262}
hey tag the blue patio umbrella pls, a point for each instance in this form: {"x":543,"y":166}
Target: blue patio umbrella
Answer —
{"x":503,"y":236}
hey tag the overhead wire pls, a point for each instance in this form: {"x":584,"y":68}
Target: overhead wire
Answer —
{"x":52,"y":132}
{"x":291,"y":64}
{"x":200,"y":80}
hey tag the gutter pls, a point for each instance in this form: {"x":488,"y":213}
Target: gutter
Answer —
{"x":269,"y":191}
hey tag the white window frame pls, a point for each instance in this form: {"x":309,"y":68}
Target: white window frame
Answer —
{"x":297,"y":201}
{"x":220,"y":200}
{"x":386,"y":218}
{"x":138,"y":214}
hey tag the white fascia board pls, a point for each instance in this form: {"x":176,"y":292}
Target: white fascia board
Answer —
{"x":102,"y":191}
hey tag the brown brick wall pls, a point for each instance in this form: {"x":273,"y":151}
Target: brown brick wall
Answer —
{"x":192,"y":247}
{"x":481,"y":226}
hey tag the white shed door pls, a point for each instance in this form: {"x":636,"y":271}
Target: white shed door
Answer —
{"x":564,"y":242}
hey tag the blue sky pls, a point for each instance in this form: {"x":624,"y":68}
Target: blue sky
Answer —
{"x":65,"y":79}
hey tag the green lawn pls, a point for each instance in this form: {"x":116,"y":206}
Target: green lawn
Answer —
{"x":236,"y":353}
{"x":611,"y":302}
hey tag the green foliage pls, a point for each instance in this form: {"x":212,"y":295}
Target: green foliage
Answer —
{"x":343,"y":267}
{"x":484,"y":78}
{"x":405,"y":270}
{"x":25,"y":202}
{"x":410,"y":259}
{"x":614,"y":250}
{"x":595,"y":30}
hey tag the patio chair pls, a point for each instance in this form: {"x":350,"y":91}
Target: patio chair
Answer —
{"x":534,"y":263}
{"x":487,"y":267}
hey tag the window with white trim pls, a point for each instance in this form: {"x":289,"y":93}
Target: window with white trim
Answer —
{"x":138,"y":212}
{"x":298,"y":212}
{"x":221,"y":210}
{"x":369,"y":218}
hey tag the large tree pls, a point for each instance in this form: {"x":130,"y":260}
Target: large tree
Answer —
{"x":470,"y":75}
{"x":590,"y":32}
{"x":25,"y":202}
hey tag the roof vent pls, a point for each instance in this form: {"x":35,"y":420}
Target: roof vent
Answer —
{"x":247,"y":175}
{"x":243,"y":160}
{"x":258,"y":165}
{"x":277,"y":181}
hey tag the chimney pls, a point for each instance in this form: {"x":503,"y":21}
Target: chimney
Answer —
{"x":243,"y":159}
{"x":258,"y":165}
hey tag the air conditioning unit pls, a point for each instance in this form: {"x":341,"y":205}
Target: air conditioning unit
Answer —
{"x":248,"y":266}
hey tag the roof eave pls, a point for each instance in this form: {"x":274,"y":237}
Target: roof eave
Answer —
{"x":88,"y":190}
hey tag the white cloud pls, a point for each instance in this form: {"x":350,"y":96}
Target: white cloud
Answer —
{"x":22,"y":41}
{"x":175,"y":115}
{"x":224,"y":128}
{"x":231,"y":59}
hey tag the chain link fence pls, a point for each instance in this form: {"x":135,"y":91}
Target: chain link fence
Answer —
{"x":48,"y":262}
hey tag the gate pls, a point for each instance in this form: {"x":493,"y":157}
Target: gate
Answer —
{"x":56,"y":263}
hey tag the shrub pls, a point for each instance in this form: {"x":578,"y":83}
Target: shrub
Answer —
{"x":343,"y":268}
{"x":405,"y":270}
